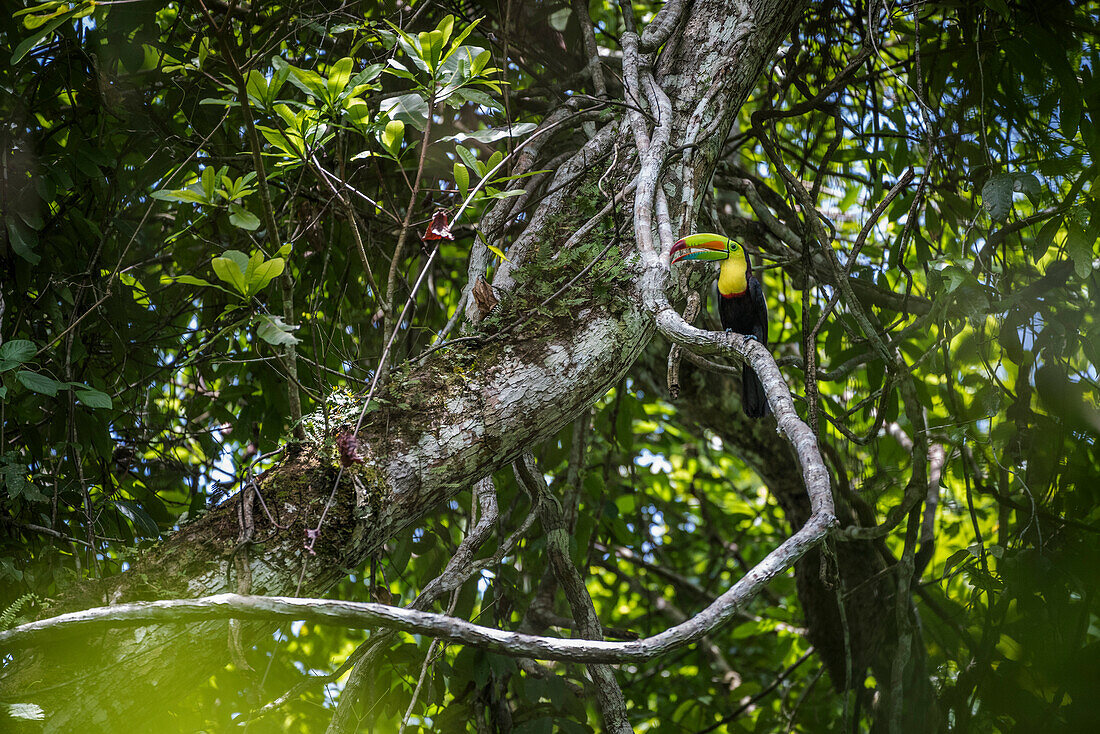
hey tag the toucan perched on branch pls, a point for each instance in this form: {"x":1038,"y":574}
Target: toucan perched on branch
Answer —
{"x":741,"y":303}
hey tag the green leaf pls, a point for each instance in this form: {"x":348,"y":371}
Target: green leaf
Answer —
{"x":191,"y":280}
{"x":956,"y":558}
{"x":1028,"y":184}
{"x":139,"y":518}
{"x":445,"y":28}
{"x":27,"y":44}
{"x":468,"y":158}
{"x":1045,"y":238}
{"x":361,"y":81}
{"x":462,"y":36}
{"x":275,"y":331}
{"x":309,"y":82}
{"x":95,"y":398}
{"x":411,"y":47}
{"x":209,"y":182}
{"x":15,"y":352}
{"x":358,"y":112}
{"x":231,"y":272}
{"x":338,"y":77}
{"x":23,"y":241}
{"x":492,"y":135}
{"x":462,"y":178}
{"x":237,"y":257}
{"x":392,"y":136}
{"x":411,"y":109}
{"x":997,"y":196}
{"x":241,"y":217}
{"x":256,"y":86}
{"x":1079,"y":249}
{"x":39,"y":383}
{"x":180,"y":195}
{"x":427,"y":42}
{"x":263,"y":273}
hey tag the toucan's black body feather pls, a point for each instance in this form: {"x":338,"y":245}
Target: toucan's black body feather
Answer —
{"x":747,"y":313}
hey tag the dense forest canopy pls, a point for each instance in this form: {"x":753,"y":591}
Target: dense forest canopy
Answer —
{"x":370,"y":302}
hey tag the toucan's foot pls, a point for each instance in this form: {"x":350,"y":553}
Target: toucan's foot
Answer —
{"x":729,"y":331}
{"x":751,"y":337}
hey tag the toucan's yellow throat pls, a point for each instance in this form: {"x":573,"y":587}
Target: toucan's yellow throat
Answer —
{"x":733,"y":277}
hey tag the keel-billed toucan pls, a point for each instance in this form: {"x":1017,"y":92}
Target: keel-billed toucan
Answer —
{"x":741,"y":303}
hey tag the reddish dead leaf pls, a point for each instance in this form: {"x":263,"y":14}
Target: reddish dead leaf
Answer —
{"x":348,"y":446}
{"x":439,"y":229}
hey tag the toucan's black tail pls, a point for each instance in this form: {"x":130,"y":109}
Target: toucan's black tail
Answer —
{"x":753,"y":399}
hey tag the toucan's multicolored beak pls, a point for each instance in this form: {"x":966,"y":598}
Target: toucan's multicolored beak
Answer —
{"x":702,"y":246}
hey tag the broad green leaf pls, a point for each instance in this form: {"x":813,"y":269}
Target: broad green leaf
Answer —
{"x":492,"y":135}
{"x":427,"y":40}
{"x":468,"y":158}
{"x":241,"y":217}
{"x":1028,"y":184}
{"x":264,"y":273}
{"x":237,"y":257}
{"x":462,"y":178}
{"x":396,"y":68}
{"x":230,"y":268}
{"x":1045,"y":238}
{"x":997,"y":196}
{"x":23,"y":241}
{"x":15,"y":352}
{"x":191,"y":280}
{"x":392,"y":136}
{"x":139,"y":518}
{"x":956,"y":558}
{"x":445,"y":27}
{"x":94,"y":398}
{"x":362,"y":81}
{"x":187,"y":196}
{"x":39,"y":383}
{"x":411,"y":48}
{"x":256,"y":86}
{"x":209,"y":182}
{"x":288,"y":142}
{"x":477,"y":67}
{"x":358,"y":112}
{"x":275,"y":331}
{"x":137,"y":290}
{"x":1079,"y":248}
{"x":309,"y":82}
{"x":462,"y":36}
{"x":492,"y":193}
{"x":28,"y":44}
{"x":338,"y":77}
{"x":411,"y":109}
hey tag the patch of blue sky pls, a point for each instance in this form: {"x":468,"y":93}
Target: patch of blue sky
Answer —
{"x":657,"y":463}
